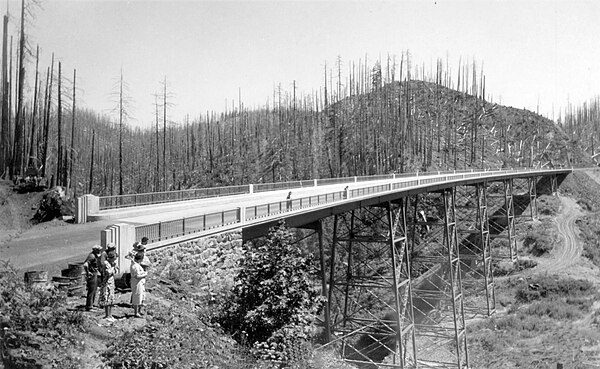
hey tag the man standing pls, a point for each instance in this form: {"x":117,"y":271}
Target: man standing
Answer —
{"x":90,"y":266}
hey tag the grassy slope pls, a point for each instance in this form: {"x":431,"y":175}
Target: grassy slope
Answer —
{"x":545,"y":319}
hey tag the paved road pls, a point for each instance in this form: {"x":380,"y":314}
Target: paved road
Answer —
{"x":51,"y":247}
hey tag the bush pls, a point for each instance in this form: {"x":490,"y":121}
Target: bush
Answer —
{"x":35,"y":316}
{"x":590,"y":230}
{"x":541,"y":240}
{"x":543,"y":286}
{"x":548,"y":205}
{"x":273,"y":301}
{"x":554,"y":308}
{"x":174,"y":338}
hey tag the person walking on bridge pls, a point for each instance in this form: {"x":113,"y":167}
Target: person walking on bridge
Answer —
{"x":289,"y":201}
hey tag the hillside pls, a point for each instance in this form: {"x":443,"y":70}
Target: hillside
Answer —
{"x":399,"y":127}
{"x":420,"y":125}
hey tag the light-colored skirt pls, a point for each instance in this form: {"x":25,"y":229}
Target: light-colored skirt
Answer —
{"x":138,"y":291}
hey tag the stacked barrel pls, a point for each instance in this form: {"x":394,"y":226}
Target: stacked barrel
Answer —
{"x":36,"y":278}
{"x":71,"y":280}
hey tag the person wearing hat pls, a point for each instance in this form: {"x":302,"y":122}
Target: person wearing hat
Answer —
{"x":138,"y":248}
{"x":107,"y":283}
{"x":90,"y":267}
{"x":103,"y":257}
{"x":138,"y":284}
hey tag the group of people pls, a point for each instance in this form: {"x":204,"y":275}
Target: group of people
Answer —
{"x":100,"y":268}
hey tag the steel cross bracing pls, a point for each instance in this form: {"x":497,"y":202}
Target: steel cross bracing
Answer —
{"x":524,"y":198}
{"x":370,"y":299}
{"x":475,"y":249}
{"x":438,"y":296}
{"x":502,"y":220}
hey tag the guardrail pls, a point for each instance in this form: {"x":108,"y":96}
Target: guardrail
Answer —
{"x":139,"y":199}
{"x":176,"y":228}
{"x":133,"y":200}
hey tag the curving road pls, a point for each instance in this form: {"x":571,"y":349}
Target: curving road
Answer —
{"x":568,"y":252}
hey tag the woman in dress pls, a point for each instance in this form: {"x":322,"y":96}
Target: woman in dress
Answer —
{"x":107,"y":284}
{"x":138,"y":284}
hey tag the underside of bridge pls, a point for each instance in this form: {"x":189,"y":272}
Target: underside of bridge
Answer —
{"x":401,"y":276}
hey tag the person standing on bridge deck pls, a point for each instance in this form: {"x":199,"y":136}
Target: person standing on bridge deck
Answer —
{"x":138,"y":284}
{"x":90,"y":266}
{"x":289,"y":201}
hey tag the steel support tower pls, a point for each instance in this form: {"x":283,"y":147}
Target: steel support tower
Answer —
{"x":475,"y":249}
{"x":369,"y":301}
{"x":438,"y":296}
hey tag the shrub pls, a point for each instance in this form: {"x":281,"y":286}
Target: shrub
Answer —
{"x":554,"y":308}
{"x":548,"y":205}
{"x":35,"y":316}
{"x":590,"y":229}
{"x":174,"y":338}
{"x":542,"y":286}
{"x":273,"y":301}
{"x":540,"y":241}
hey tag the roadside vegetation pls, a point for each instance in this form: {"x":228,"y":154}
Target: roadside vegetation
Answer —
{"x":587,"y":192}
{"x":549,"y":320}
{"x":38,"y":329}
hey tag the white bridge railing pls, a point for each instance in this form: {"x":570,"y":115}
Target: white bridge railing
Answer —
{"x":163,"y":233}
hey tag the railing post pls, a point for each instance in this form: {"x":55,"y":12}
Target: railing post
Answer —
{"x":183,"y":225}
{"x":315,"y":182}
{"x":123,"y":236}
{"x":250,"y":188}
{"x":241,"y":215}
{"x":355,"y":179}
{"x":81,"y":210}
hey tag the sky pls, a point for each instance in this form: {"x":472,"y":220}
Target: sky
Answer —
{"x":535,"y":54}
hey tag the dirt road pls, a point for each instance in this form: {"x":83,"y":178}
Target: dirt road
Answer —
{"x":567,"y":252}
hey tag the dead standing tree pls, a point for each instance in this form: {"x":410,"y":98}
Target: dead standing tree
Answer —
{"x":123,"y":110}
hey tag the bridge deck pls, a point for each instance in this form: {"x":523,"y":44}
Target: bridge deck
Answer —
{"x":256,"y":212}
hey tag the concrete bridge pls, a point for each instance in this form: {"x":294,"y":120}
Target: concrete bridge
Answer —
{"x":403,"y":244}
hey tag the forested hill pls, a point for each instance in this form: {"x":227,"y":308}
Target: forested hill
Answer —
{"x":392,"y":127}
{"x":420,"y":125}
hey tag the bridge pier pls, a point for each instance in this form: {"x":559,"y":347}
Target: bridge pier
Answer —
{"x":438,"y":294}
{"x":474,"y":245}
{"x":502,"y":218}
{"x":370,"y":291}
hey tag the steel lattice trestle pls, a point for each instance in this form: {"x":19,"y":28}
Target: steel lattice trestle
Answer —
{"x":438,"y":296}
{"x":475,"y":250}
{"x":370,"y":297}
{"x":502,"y":219}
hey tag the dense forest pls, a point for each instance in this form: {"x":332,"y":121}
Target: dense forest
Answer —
{"x":368,"y":117}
